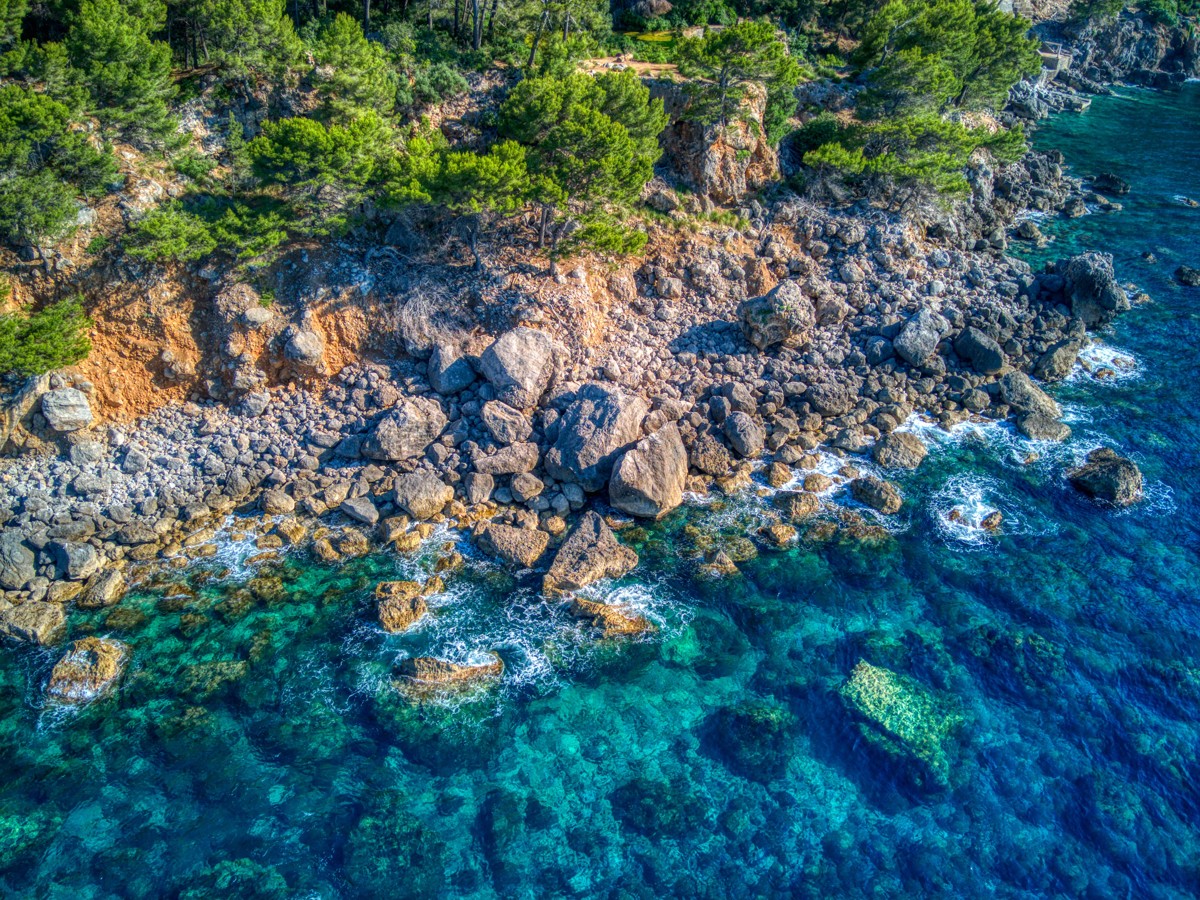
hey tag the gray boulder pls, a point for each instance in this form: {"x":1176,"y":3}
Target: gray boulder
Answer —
{"x":406,"y":432}
{"x":305,"y":349}
{"x":591,"y":552}
{"x":521,"y":364}
{"x":75,"y":562}
{"x":900,"y":450}
{"x":360,"y":509}
{"x":506,"y":425}
{"x":1091,"y":289}
{"x":876,"y":493}
{"x":981,"y":351}
{"x":1039,"y":427}
{"x":478,"y":487}
{"x":103,"y":589}
{"x":522,"y":546}
{"x":449,"y":371}
{"x":422,"y":495}
{"x":35,"y":621}
{"x":1019,"y":392}
{"x":1057,"y":362}
{"x":1108,"y":477}
{"x":601,"y":423}
{"x":648,"y":480}
{"x":66,"y":409}
{"x":784,"y":315}
{"x":745,"y":435}
{"x":511,"y":460}
{"x":16,"y":562}
{"x":919,"y":337}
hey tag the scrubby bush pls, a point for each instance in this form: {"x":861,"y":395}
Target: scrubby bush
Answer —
{"x":53,"y":337}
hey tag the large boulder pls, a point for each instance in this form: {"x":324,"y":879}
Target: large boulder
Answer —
{"x":514,"y":459}
{"x":421,"y":494}
{"x":919,"y":337}
{"x":745,"y":435}
{"x":429,"y":671}
{"x":785,"y":315}
{"x":981,"y":351}
{"x":522,"y":546}
{"x":102,"y":589}
{"x":597,"y":426}
{"x":75,"y":561}
{"x":1108,"y":477}
{"x":16,"y":561}
{"x":406,"y":432}
{"x":876,"y":493}
{"x":1091,"y":289}
{"x":1019,"y":392}
{"x":831,"y":398}
{"x":506,"y":425}
{"x":34,"y":621}
{"x":521,"y":364}
{"x":904,"y":721}
{"x":305,"y":350}
{"x":1057,"y":362}
{"x":612,"y":621}
{"x":648,"y":480}
{"x":66,"y":409}
{"x":449,"y":371}
{"x":90,"y":668}
{"x":591,"y":552}
{"x":900,"y":450}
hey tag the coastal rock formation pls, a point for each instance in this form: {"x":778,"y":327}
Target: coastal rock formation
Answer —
{"x":610,"y":620}
{"x":103,"y":589}
{"x":66,"y":409}
{"x":521,"y":364}
{"x":981,"y":351}
{"x":785,"y":315}
{"x":401,"y":604}
{"x":648,"y":480}
{"x":1108,"y":477}
{"x":406,"y":432}
{"x":876,"y":493}
{"x":919,"y":337}
{"x":903,"y":720}
{"x":592,"y":552}
{"x":34,"y":621}
{"x":596,"y":427}
{"x":90,"y":668}
{"x":422,"y":494}
{"x":16,"y":561}
{"x":1057,"y":362}
{"x":505,"y":424}
{"x":900,"y":450}
{"x":522,"y":546}
{"x":1091,"y":289}
{"x":429,"y":671}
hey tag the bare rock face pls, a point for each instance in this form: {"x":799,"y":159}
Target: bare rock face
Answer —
{"x":89,"y":669}
{"x":591,"y":553}
{"x":648,"y":480}
{"x":431,"y":672}
{"x":919,"y":337}
{"x":785,"y":315}
{"x":66,"y":409}
{"x":522,"y":546}
{"x":900,"y":450}
{"x":406,"y":431}
{"x":521,"y":364}
{"x":422,"y":495}
{"x":401,"y":605}
{"x":601,"y":423}
{"x":610,"y":620}
{"x":1109,"y":477}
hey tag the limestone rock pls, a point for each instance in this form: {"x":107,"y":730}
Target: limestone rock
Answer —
{"x":449,"y":372}
{"x":1109,"y":477}
{"x":34,"y":621}
{"x":592,"y":552}
{"x":612,"y":621}
{"x":746,"y":435}
{"x":90,"y":668}
{"x":431,"y":672}
{"x":597,"y":426}
{"x":1019,"y":392}
{"x":522,"y":546}
{"x":1057,"y":362}
{"x":710,"y":456}
{"x":521,"y":364}
{"x":66,"y":409}
{"x":785,"y":315}
{"x":900,"y":450}
{"x":401,"y":604}
{"x":406,"y":431}
{"x":103,"y":589}
{"x":421,"y":494}
{"x":16,"y":561}
{"x":648,"y":480}
{"x":876,"y":493}
{"x":919,"y":337}
{"x":1091,"y":290}
{"x":511,"y":460}
{"x":981,"y":351}
{"x":1039,"y":427}
{"x":506,"y":425}
{"x":360,"y":509}
{"x":305,"y":349}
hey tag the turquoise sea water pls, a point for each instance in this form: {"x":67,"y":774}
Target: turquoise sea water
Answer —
{"x":257,"y":748}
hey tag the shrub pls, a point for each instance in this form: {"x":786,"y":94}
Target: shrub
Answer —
{"x":56,"y":336}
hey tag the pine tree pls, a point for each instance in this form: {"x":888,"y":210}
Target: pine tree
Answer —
{"x":12,"y":14}
{"x":482,"y":187}
{"x":358,"y":74}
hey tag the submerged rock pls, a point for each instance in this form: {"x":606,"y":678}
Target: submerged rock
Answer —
{"x":591,"y":553}
{"x":433,"y":672}
{"x":1108,"y":477}
{"x":612,"y":621}
{"x":904,"y":720}
{"x":648,"y":480}
{"x":1188,"y":276}
{"x":876,"y":493}
{"x":89,"y":669}
{"x":401,"y":604}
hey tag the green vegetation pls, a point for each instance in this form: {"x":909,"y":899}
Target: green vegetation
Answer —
{"x":34,"y":343}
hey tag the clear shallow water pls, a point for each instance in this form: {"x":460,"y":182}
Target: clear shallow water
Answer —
{"x":256,"y":747}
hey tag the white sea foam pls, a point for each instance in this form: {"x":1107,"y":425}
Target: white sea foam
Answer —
{"x":1101,"y":363}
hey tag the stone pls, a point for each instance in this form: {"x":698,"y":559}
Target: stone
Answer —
{"x":406,"y":431}
{"x":903,"y":720}
{"x":1019,"y":392}
{"x":478,"y":487}
{"x":710,"y":456}
{"x":449,"y":371}
{"x":401,"y":604}
{"x":900,"y":450}
{"x":745,"y":435}
{"x":429,"y":671}
{"x":785,"y":315}
{"x":919,"y":337}
{"x":75,"y":562}
{"x":34,"y":621}
{"x":360,"y":509}
{"x":1057,"y":362}
{"x":276,"y":502}
{"x":89,"y":669}
{"x":421,"y":494}
{"x":1039,"y":427}
{"x":16,"y":561}
{"x":778,"y":474}
{"x":590,"y":553}
{"x":1188,"y":276}
{"x":780,"y":535}
{"x":135,"y":462}
{"x":610,"y":620}
{"x":1108,"y":477}
{"x":511,"y":460}
{"x":797,"y":505}
{"x":66,"y":409}
{"x":525,"y":487}
{"x":831,"y":398}
{"x":648,"y":480}
{"x":601,"y":423}
{"x":521,"y":364}
{"x":522,"y":546}
{"x":876,"y":493}
{"x":505,"y":424}
{"x":102,"y":589}
{"x":305,"y":349}
{"x":982,"y":352}
{"x":1091,"y":289}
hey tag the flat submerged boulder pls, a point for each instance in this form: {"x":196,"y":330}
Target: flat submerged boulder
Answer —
{"x":612,"y":621}
{"x":401,"y":605}
{"x":90,"y":668}
{"x":903,"y":720}
{"x":433,"y":672}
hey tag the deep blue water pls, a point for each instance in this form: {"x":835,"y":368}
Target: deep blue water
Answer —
{"x":257,"y":748}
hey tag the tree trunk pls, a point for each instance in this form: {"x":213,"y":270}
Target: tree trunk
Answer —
{"x":491,"y":25}
{"x":476,"y":24}
{"x":537,"y":38}
{"x":366,"y":16}
{"x":457,"y":17}
{"x":431,"y":15}
{"x":566,"y":26}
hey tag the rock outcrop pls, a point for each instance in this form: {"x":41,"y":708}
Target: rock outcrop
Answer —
{"x":91,"y":667}
{"x":1108,"y":477}
{"x":648,"y":480}
{"x":597,"y":426}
